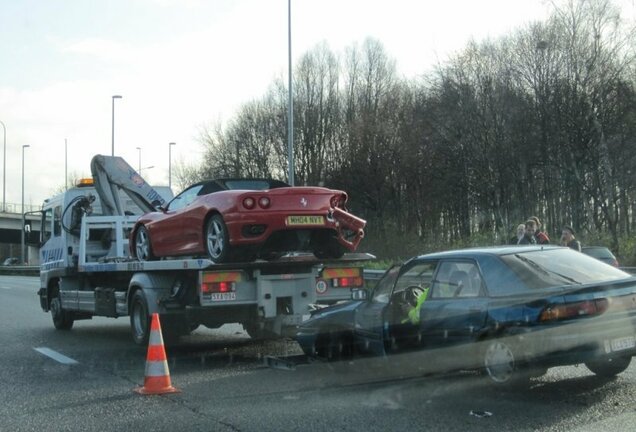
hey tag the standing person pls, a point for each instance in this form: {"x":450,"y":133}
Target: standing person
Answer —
{"x":568,"y":239}
{"x":528,"y":237}
{"x":521,"y":232}
{"x":540,"y":236}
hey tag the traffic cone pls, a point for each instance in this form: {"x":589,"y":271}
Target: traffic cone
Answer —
{"x":157,"y":380}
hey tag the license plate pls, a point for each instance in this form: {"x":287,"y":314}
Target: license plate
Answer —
{"x":305,"y":220}
{"x":223,"y":296}
{"x":623,"y":343}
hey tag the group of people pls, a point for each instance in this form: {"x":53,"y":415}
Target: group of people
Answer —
{"x":531,"y":233}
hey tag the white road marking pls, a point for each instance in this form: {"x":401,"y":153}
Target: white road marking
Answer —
{"x":60,"y":358}
{"x":5,"y":288}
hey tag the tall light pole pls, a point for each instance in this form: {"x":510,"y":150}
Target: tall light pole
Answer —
{"x":113,"y":124}
{"x":23,"y":219}
{"x":290,"y":104}
{"x":4,"y":168}
{"x":170,"y":164}
{"x":139,"y":170}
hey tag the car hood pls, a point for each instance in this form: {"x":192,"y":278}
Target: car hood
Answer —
{"x":339,"y":313}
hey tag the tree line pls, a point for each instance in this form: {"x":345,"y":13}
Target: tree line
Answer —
{"x":539,"y":122}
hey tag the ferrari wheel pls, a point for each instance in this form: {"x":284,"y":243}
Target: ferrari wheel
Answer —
{"x":217,"y":239}
{"x":143,"y":250}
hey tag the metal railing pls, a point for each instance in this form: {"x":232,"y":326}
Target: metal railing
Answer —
{"x":15,"y":208}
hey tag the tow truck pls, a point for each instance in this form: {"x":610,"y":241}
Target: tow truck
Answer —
{"x":86,"y":269}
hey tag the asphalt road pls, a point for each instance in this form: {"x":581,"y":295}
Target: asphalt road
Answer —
{"x":226,"y":385}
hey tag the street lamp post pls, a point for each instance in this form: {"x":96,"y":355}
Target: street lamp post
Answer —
{"x":113,"y":126}
{"x":139,"y":166}
{"x":23,"y":219}
{"x":170,"y":164}
{"x":290,"y":102}
{"x":4,"y":167}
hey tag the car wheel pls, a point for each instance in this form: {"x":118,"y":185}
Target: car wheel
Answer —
{"x":139,"y":318}
{"x":501,"y":363}
{"x":217,"y":239}
{"x":62,"y":319}
{"x":143,"y":249}
{"x":327,"y":249}
{"x":608,"y":367}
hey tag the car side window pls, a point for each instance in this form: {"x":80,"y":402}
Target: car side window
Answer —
{"x":382,"y":291}
{"x":457,"y":279}
{"x":184,"y":198}
{"x":420,"y":274}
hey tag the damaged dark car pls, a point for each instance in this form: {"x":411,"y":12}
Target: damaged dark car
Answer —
{"x":509,"y":312}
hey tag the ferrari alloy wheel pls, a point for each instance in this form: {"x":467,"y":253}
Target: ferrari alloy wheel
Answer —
{"x":217,"y":240}
{"x":143,"y":250}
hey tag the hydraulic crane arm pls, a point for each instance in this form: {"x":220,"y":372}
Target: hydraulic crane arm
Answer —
{"x":111,"y":173}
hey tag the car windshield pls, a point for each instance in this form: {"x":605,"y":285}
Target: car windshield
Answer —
{"x":557,"y":267}
{"x":250,"y":184}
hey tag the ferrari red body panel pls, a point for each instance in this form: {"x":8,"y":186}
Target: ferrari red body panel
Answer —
{"x":278,"y":218}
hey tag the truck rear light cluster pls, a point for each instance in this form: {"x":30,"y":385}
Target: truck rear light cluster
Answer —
{"x":219,"y":282}
{"x":218,"y":287}
{"x":574,"y":310}
{"x":250,"y":203}
{"x":347,"y":282}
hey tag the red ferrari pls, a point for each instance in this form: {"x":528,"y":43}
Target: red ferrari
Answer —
{"x":241,"y":219}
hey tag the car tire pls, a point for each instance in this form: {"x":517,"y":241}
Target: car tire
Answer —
{"x":608,"y":367}
{"x":501,"y":363}
{"x":328,"y":249}
{"x":143,"y":246}
{"x":217,"y":240}
{"x":139,"y":318}
{"x":62,"y":319}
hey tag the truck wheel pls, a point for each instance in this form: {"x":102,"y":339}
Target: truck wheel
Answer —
{"x":217,"y":242}
{"x":256,"y":332}
{"x":139,"y":318}
{"x":608,"y":367}
{"x":143,"y":249}
{"x":62,"y":319}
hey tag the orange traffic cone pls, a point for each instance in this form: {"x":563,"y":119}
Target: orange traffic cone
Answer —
{"x":157,"y":379}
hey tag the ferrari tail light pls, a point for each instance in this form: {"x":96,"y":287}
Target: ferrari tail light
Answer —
{"x":264,"y":202}
{"x":249,"y":203}
{"x":574,"y":310}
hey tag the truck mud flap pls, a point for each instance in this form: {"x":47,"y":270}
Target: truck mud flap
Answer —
{"x":286,"y":363}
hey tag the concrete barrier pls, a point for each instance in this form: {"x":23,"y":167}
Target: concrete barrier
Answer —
{"x":20,"y":270}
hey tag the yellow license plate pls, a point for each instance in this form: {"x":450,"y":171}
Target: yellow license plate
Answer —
{"x":305,"y":220}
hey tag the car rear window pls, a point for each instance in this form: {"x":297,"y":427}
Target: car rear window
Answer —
{"x":599,"y":253}
{"x":558,"y":267}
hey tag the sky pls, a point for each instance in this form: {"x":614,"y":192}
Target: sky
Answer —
{"x":182,"y":65}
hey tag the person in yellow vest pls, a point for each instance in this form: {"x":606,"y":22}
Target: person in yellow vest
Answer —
{"x":413,"y":315}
